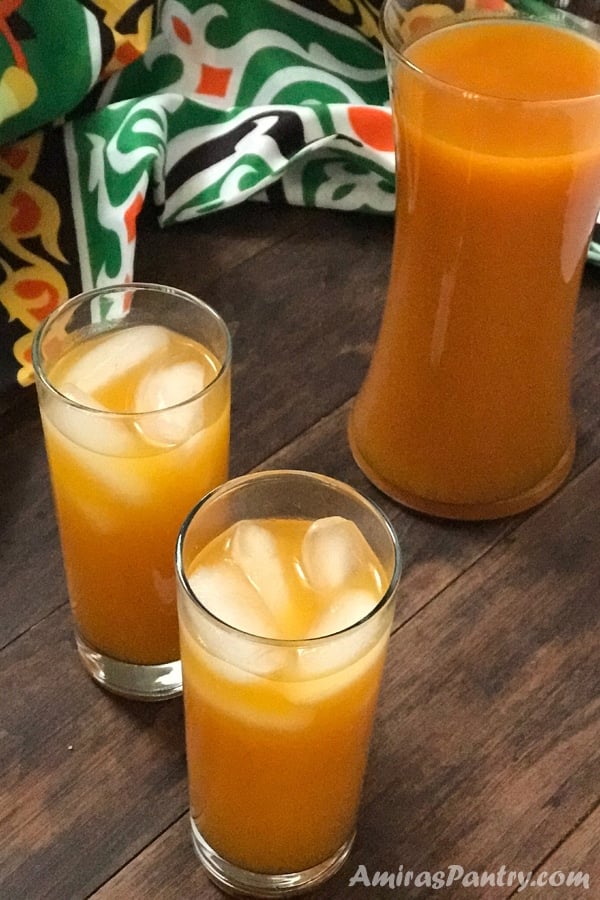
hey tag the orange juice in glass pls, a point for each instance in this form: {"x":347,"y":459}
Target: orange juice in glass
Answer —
{"x":287,"y":583}
{"x":466,"y":409}
{"x":134,"y":392}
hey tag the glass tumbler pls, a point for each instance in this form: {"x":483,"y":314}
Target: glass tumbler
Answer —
{"x":133,"y":384}
{"x":279,"y":710}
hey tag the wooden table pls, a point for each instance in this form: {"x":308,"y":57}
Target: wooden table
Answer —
{"x":486,"y":751}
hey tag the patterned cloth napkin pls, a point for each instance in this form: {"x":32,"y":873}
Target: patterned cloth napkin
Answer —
{"x":188,"y":106}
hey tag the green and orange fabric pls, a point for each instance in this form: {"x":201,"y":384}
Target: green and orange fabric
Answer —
{"x":185,"y":106}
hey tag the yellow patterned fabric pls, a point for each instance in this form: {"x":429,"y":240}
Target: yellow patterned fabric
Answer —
{"x":54,"y":57}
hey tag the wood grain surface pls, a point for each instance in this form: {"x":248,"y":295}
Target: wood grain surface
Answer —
{"x":486,"y":750}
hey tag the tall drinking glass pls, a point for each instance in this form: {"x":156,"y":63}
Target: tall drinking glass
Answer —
{"x":134,"y":391}
{"x":287,"y":584}
{"x":466,"y":408}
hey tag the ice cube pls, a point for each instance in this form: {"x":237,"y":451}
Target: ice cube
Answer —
{"x":116,"y":354}
{"x":163,"y":388}
{"x":279,"y":713}
{"x":98,"y":519}
{"x":255,"y":551}
{"x":118,"y":476}
{"x":226,"y":592}
{"x":350,"y":607}
{"x":81,"y":423}
{"x":325,"y":669}
{"x":333,"y":550}
{"x":327,"y":666}
{"x":78,"y":395}
{"x":253,"y":699}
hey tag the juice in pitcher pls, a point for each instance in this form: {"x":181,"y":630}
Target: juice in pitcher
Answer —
{"x":466,"y":408}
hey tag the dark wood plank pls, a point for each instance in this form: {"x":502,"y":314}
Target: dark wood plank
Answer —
{"x":586,"y":375}
{"x":166,"y":870}
{"x":303,"y":327}
{"x":86,"y":780}
{"x":578,"y":857}
{"x":32,"y":580}
{"x":194,"y":255}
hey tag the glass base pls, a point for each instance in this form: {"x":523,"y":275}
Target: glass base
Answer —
{"x":492,"y":509}
{"x":135,"y":682}
{"x":242,"y":883}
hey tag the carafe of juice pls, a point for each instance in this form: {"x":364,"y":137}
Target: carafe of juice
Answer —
{"x":466,"y":408}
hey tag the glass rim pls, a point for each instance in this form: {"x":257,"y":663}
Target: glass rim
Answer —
{"x":38,"y":337}
{"x":390,"y":48}
{"x":265,"y":474}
